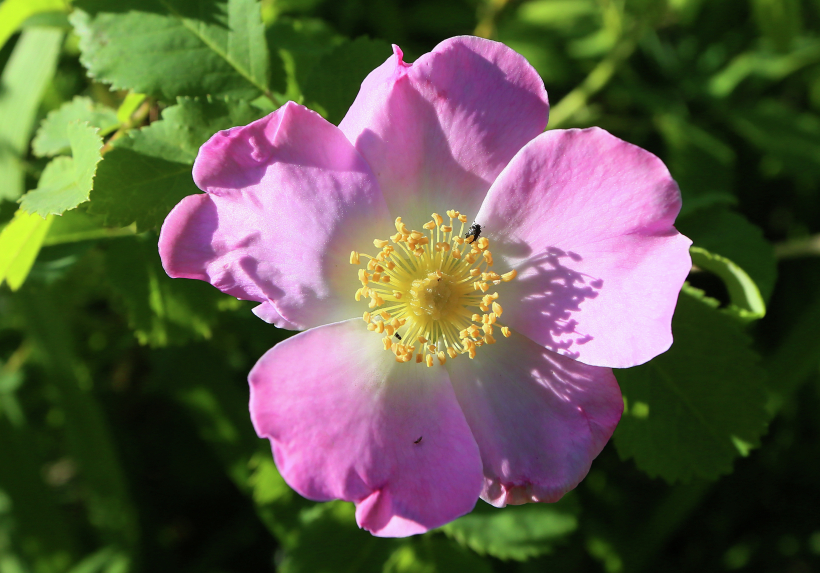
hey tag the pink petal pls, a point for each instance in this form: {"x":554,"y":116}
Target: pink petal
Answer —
{"x":288,"y":198}
{"x":344,"y":418}
{"x":437,"y":132}
{"x":267,"y":312}
{"x":539,"y":418}
{"x":587,"y":220}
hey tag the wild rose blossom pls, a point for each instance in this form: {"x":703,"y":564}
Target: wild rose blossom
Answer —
{"x":436,"y":368}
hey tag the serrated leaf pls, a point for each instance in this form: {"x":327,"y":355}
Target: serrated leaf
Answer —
{"x":731,"y":235}
{"x":335,"y":80}
{"x":66,"y":181}
{"x":184,"y":48}
{"x":20,"y":242}
{"x":145,"y":174}
{"x":747,"y":304}
{"x":52,"y":135}
{"x":24,"y":80}
{"x":690,"y":412}
{"x":514,"y":532}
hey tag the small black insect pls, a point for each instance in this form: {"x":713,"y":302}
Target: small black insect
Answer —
{"x":397,"y":335}
{"x":419,"y":440}
{"x":475,"y":231}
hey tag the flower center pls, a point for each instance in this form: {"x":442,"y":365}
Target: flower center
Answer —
{"x":428,"y":293}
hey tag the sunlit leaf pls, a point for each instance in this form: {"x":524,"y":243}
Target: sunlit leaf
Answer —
{"x":20,"y":242}
{"x":15,"y":12}
{"x":66,"y":181}
{"x":170,"y":49}
{"x":434,"y":554}
{"x":23,"y":82}
{"x":53,"y":134}
{"x":515,"y":532}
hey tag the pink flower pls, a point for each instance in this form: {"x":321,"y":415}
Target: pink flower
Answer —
{"x":482,"y":365}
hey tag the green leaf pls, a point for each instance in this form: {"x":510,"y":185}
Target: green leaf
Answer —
{"x":169,"y":52}
{"x":332,"y":526}
{"x":20,"y":243}
{"x":89,"y":441}
{"x":765,"y":64}
{"x":52,"y":136}
{"x":788,"y":138}
{"x":515,"y":532}
{"x":335,"y":80}
{"x":731,"y":235}
{"x":692,"y":410}
{"x":300,"y":45}
{"x":702,"y":164}
{"x":76,"y":225}
{"x":14,"y":12}
{"x":24,"y":80}
{"x":433,"y":554}
{"x":145,"y":174}
{"x":161,"y":310}
{"x":747,"y":303}
{"x":66,"y":181}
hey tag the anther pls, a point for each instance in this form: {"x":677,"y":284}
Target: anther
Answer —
{"x":438,"y":219}
{"x":505,"y":330}
{"x":354,"y":258}
{"x":379,"y":243}
{"x":497,"y":309}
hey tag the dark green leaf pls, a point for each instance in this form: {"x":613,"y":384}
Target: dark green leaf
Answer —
{"x":193,"y":48}
{"x":329,"y":541}
{"x":299,"y":45}
{"x":701,"y":163}
{"x":335,"y":80}
{"x":694,"y":409}
{"x":161,"y":310}
{"x":148,"y":172}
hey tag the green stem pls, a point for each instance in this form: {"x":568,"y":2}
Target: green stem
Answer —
{"x":597,"y":79}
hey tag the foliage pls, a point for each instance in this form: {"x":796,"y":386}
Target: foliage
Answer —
{"x":126,"y":443}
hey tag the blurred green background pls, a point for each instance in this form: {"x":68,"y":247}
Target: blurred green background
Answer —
{"x":125,"y":442}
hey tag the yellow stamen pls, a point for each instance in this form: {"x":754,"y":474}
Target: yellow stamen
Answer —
{"x":432,"y":286}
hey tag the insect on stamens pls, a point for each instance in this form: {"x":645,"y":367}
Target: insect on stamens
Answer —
{"x":474,"y":232}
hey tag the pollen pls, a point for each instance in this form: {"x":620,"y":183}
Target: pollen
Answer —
{"x":429,"y":292}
